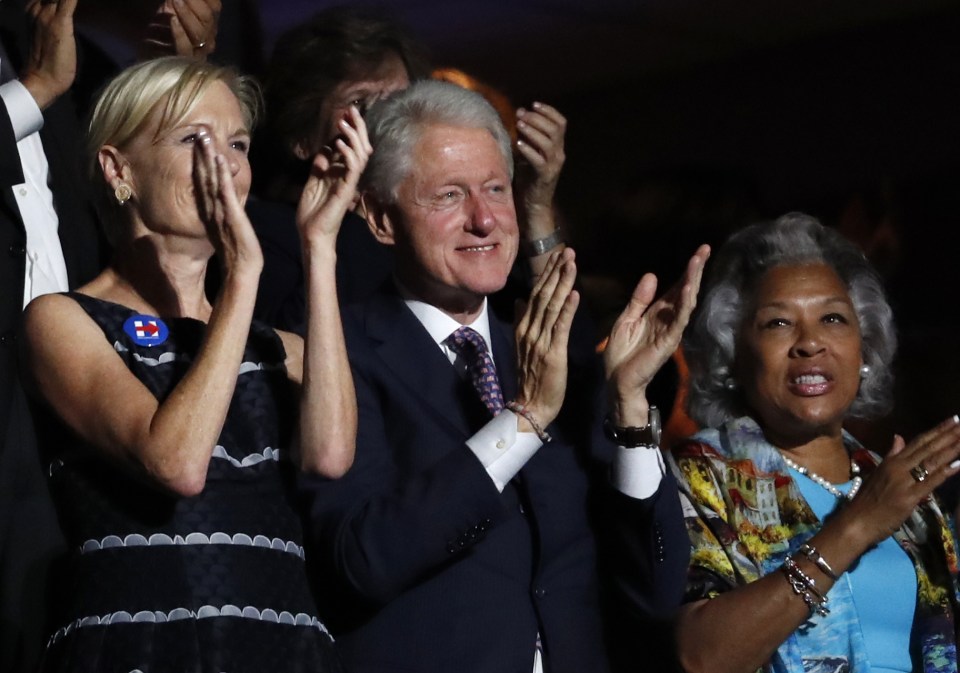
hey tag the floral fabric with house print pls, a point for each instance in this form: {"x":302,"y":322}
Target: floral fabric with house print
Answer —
{"x":745,"y":515}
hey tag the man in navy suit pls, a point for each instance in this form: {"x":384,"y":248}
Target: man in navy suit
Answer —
{"x":466,"y":537}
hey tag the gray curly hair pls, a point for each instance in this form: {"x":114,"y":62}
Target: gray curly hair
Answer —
{"x":711,"y":341}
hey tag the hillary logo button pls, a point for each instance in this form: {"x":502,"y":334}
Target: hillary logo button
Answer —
{"x":146,"y":330}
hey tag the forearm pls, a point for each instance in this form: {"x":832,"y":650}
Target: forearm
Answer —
{"x":182,"y":433}
{"x":740,"y":630}
{"x":328,"y":403}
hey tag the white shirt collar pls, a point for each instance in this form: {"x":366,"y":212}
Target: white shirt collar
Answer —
{"x":440,"y":326}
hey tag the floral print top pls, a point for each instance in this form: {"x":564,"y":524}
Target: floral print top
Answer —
{"x":745,"y":514}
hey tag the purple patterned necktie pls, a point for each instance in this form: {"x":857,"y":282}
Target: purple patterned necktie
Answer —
{"x":469,"y":345}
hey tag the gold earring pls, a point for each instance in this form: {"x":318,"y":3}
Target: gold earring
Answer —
{"x":123,"y":193}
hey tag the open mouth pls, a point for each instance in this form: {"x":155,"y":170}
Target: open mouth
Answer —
{"x":810,"y":379}
{"x":478,"y":248}
{"x":811,"y":383}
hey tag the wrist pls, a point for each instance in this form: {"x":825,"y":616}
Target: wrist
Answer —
{"x":536,"y":246}
{"x":43,"y":94}
{"x":528,"y":421}
{"x":319,"y":248}
{"x":631,"y":437}
{"x":629,"y":409}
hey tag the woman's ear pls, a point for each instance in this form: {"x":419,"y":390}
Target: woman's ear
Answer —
{"x":115,"y":168}
{"x":379,"y":219}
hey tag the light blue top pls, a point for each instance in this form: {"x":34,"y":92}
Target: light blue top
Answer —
{"x":884,"y":588}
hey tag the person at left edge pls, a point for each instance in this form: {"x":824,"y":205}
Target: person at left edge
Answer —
{"x":463,"y":540}
{"x":168,"y":421}
{"x":48,"y":242}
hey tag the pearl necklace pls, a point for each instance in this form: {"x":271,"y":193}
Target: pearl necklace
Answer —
{"x":813,"y":476}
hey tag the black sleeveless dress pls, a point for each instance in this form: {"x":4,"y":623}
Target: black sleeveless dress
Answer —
{"x":208,"y":584}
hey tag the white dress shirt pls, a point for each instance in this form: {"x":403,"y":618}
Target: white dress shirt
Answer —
{"x":500,"y":447}
{"x":46,"y":270}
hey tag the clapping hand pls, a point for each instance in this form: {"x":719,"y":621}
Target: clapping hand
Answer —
{"x":644,"y":337}
{"x":332,"y":186}
{"x":221,"y":210}
{"x":542,"y":333}
{"x":541,"y":132}
{"x":908,"y":474}
{"x":182,"y":28}
{"x":52,"y":65}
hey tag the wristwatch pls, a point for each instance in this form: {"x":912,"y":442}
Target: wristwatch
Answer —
{"x":647,"y":436}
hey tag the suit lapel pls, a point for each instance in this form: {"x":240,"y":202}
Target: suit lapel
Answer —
{"x":501,"y":333}
{"x":406,"y":349}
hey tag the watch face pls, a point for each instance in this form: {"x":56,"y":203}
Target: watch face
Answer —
{"x":654,"y":422}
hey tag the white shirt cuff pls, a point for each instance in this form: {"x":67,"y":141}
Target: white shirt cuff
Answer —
{"x":502,"y":449}
{"x":25,"y":114}
{"x":637,"y":472}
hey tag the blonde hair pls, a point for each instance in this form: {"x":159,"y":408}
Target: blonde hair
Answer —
{"x":126,"y":104}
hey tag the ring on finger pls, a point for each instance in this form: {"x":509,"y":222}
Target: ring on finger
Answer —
{"x":919,"y":473}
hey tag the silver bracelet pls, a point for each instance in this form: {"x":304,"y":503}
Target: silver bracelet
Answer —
{"x":540,"y":246}
{"x":811,"y":553}
{"x":805,"y":587}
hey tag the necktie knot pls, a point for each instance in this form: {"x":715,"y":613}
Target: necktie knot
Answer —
{"x":470,"y":345}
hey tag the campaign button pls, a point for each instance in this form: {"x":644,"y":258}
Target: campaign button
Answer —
{"x":146,"y":330}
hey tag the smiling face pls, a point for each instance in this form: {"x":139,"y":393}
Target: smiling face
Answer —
{"x":798,"y":355}
{"x":158,"y":164}
{"x":454,"y":223}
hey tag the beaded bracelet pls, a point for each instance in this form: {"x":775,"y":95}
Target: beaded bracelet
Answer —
{"x":805,"y":587}
{"x":518,"y":408}
{"x":811,"y":553}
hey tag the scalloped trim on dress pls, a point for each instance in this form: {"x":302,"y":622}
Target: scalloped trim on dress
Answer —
{"x":268,"y":453}
{"x":162,"y":539}
{"x":163,"y":359}
{"x":177,"y":614}
{"x":219,"y":451}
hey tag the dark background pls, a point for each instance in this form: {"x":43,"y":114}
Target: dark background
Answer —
{"x":688,"y":118}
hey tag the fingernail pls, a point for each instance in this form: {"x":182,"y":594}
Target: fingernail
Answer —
{"x":955,"y":464}
{"x":956,"y":419}
{"x":537,"y":105}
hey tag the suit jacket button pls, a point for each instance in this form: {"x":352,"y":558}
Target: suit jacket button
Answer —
{"x":539,"y":592}
{"x":17,"y":250}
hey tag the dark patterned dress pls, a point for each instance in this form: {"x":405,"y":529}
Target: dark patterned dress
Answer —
{"x":212,"y":583}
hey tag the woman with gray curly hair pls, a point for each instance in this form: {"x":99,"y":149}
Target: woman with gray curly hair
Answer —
{"x":794,"y":567}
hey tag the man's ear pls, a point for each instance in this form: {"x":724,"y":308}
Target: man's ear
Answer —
{"x":379,"y":218}
{"x":114,"y":166}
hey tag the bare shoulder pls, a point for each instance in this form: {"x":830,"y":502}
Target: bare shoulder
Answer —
{"x":57,"y":333}
{"x":293,"y":345}
{"x":49,"y":320}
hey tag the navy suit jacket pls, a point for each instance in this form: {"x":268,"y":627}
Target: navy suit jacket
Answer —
{"x":420,"y":564}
